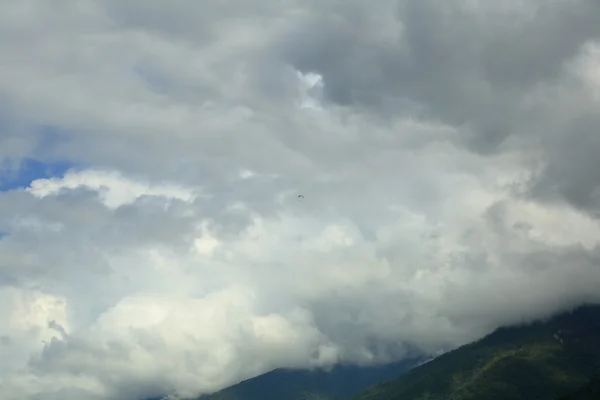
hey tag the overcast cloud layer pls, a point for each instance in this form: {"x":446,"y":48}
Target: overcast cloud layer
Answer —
{"x":447,"y":152}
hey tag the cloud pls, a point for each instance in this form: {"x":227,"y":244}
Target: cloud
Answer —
{"x":446,"y":154}
{"x":116,"y":190}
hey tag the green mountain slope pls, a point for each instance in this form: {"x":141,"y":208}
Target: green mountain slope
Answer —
{"x":591,"y":391}
{"x":543,"y":360}
{"x":339,"y":383}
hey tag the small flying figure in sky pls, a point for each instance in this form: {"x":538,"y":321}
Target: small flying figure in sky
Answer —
{"x":300,"y":196}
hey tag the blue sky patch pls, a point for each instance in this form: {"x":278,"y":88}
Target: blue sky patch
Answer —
{"x":29,"y":171}
{"x":44,"y":162}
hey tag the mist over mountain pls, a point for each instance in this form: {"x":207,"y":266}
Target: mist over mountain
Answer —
{"x":557,"y":358}
{"x":337,"y":383}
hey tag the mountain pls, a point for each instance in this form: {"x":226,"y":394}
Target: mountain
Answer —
{"x":591,"y":391}
{"x":339,"y":383}
{"x":542,"y":360}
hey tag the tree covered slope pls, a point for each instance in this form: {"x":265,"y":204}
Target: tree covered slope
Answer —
{"x":338,"y":384}
{"x":544,"y":360}
{"x":590,"y":391}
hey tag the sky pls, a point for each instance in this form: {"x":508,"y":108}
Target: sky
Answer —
{"x":152,"y":240}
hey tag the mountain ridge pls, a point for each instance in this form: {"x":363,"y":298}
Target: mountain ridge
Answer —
{"x":542,"y":359}
{"x":338,"y":383}
{"x":546,"y":358}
